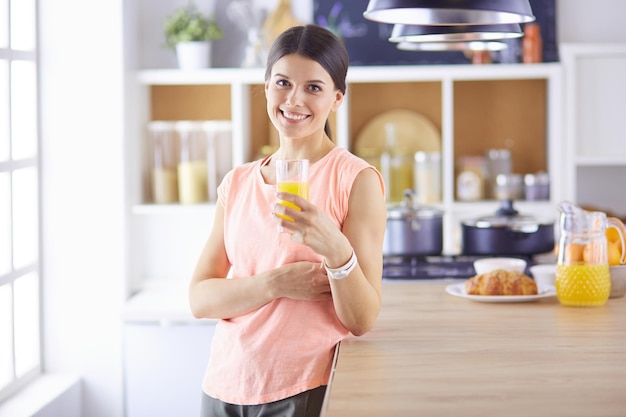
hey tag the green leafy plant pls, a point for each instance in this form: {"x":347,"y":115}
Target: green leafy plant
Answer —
{"x":187,"y":24}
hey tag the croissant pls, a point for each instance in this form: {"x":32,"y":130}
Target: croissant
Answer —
{"x":501,"y":282}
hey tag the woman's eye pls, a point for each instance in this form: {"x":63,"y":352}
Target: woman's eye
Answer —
{"x":282,"y":83}
{"x":315,"y":88}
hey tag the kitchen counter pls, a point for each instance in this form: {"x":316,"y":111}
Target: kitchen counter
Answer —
{"x":433,"y":354}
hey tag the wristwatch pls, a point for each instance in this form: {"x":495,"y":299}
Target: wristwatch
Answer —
{"x":342,"y":271}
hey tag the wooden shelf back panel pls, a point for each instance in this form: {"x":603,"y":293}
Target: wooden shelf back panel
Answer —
{"x":368,"y":100}
{"x":508,"y":114}
{"x":190,"y":102}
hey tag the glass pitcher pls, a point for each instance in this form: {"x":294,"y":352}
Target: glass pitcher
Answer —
{"x":582,"y":276}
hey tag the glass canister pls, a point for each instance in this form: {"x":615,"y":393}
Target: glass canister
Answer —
{"x":192,"y":167}
{"x":427,"y":177}
{"x":219,"y":157}
{"x":164,"y":150}
{"x":582,"y":276}
{"x":396,"y":166}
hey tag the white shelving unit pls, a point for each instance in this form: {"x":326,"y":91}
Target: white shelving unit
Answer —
{"x":595,"y":101}
{"x":150,"y":258}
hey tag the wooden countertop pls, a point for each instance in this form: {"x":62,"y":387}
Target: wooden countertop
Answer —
{"x":434,"y":354}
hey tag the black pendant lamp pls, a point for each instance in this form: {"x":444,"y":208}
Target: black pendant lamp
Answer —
{"x":449,"y":12}
{"x":454,"y":33}
{"x":475,"y":46}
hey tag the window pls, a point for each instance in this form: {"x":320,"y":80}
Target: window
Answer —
{"x":20,"y":357}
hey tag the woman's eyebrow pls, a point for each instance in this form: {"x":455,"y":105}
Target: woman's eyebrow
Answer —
{"x":278,"y":74}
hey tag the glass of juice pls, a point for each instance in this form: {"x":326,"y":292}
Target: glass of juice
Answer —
{"x":292,"y":176}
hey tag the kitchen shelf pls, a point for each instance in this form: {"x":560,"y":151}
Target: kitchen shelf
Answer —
{"x":522,"y":100}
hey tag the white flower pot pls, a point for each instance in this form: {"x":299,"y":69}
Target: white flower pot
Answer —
{"x":193,"y":55}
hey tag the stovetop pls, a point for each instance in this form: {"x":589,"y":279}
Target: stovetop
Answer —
{"x":430,"y":267}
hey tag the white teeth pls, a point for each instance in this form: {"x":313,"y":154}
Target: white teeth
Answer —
{"x":294,"y":116}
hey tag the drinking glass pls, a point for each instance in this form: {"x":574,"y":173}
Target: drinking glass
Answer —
{"x":292,"y":176}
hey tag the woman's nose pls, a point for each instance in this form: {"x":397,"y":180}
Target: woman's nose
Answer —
{"x":294,"y":97}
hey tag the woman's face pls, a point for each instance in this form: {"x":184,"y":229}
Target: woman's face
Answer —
{"x":300,"y":95}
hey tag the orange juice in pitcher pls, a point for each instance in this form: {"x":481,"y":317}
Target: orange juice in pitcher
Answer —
{"x":582,"y":276}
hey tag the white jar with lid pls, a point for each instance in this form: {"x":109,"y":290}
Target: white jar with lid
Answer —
{"x":192,"y":168}
{"x":470,"y":182}
{"x":164,"y":150}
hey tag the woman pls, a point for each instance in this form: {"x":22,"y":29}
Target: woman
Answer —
{"x":294,"y":294}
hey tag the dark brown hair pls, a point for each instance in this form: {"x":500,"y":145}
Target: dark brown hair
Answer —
{"x":316,"y":43}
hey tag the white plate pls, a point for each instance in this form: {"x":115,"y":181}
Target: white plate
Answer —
{"x":458,"y":290}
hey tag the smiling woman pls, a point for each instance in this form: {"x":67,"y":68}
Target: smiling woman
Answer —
{"x":320,"y":270}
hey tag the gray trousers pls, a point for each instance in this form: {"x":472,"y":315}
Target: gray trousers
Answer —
{"x":305,"y":404}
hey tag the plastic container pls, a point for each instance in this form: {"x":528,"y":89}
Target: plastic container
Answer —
{"x":164,"y":162}
{"x":192,"y":166}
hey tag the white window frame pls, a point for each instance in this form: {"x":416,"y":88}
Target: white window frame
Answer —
{"x":8,"y":55}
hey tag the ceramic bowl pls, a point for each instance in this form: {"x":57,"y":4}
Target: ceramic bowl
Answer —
{"x":618,"y":281}
{"x":544,"y":274}
{"x":484,"y":265}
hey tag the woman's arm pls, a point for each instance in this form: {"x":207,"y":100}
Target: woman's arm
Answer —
{"x":357,"y":297}
{"x":213,"y":296}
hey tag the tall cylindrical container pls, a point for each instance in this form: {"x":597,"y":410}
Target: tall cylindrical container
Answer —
{"x":218,"y":134}
{"x":164,"y":150}
{"x":192,"y":168}
{"x":427,"y":177}
{"x":532,"y":44}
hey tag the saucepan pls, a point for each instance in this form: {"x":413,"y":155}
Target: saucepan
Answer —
{"x":507,"y":233}
{"x":412,"y":229}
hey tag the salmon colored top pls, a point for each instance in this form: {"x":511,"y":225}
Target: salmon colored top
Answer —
{"x":286,"y":346}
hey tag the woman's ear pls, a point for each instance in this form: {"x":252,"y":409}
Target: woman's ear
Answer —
{"x":338,"y":100}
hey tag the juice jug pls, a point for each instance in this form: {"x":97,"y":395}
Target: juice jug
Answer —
{"x":582,"y":275}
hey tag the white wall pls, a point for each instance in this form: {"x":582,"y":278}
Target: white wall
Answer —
{"x":591,"y":21}
{"x":82,"y":178}
{"x":83,"y":201}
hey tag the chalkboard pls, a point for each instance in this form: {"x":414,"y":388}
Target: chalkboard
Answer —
{"x":367,"y":42}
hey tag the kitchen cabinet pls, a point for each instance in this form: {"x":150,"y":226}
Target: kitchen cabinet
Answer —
{"x":165,"y":354}
{"x":595,"y":99}
{"x":163,"y":367}
{"x":475,"y":107}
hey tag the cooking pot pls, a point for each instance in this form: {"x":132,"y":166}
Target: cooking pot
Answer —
{"x":413,"y":229}
{"x":507,"y":233}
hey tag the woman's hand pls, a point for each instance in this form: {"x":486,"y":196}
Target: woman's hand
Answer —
{"x":301,"y":281}
{"x":311,"y":226}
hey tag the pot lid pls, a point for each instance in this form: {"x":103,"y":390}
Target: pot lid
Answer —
{"x":517,"y":221}
{"x":507,"y":216}
{"x":407,"y":209}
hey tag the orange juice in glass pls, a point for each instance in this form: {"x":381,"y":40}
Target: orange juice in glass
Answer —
{"x":292,"y":176}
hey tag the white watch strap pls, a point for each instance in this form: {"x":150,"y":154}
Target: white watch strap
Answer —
{"x":342,"y":271}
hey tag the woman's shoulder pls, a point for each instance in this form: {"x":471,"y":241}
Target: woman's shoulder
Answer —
{"x":343,"y":155}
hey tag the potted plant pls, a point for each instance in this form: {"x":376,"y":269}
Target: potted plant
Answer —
{"x":190,"y":33}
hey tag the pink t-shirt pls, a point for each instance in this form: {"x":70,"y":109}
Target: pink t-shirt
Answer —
{"x":286,"y":346}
